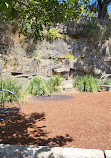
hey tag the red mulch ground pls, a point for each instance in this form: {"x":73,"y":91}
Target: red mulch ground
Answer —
{"x":83,"y":122}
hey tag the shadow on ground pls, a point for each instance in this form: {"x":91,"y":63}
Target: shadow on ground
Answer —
{"x":22,"y":129}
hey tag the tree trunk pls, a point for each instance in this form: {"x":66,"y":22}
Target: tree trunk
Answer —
{"x":102,"y":10}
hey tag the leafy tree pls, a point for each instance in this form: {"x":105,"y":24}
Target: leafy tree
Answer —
{"x":33,"y":15}
{"x":99,"y":7}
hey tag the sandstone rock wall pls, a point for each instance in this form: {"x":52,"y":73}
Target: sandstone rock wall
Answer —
{"x":23,"y":60}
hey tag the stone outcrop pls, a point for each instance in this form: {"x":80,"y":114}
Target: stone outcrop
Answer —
{"x":23,"y":60}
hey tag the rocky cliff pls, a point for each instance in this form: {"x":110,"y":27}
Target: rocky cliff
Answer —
{"x":21,"y":59}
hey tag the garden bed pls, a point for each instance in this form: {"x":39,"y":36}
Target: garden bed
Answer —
{"x":82,"y":122}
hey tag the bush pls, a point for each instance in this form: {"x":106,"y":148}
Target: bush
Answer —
{"x":96,"y":32}
{"x":13,"y":86}
{"x":40,"y":87}
{"x":92,"y":31}
{"x":86,"y":83}
{"x":69,"y":56}
{"x":105,"y":82}
{"x":52,"y":34}
{"x":56,"y":83}
{"x":37,"y":86}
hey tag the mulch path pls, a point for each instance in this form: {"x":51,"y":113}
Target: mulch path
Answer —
{"x":82,"y":122}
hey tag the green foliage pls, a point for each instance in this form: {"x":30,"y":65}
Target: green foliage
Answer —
{"x":107,"y":32}
{"x":32,"y":15}
{"x":107,"y":82}
{"x":13,"y":86}
{"x":109,"y":13}
{"x":94,"y":32}
{"x":52,"y":34}
{"x":56,"y":83}
{"x":37,"y":86}
{"x":86,"y":83}
{"x":69,"y":56}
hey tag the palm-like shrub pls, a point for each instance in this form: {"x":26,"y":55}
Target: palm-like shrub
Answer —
{"x":86,"y":83}
{"x":37,"y":86}
{"x":11,"y":85}
{"x":56,"y":83}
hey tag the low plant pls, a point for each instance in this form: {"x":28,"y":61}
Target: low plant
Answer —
{"x":69,"y":56}
{"x":56,"y":83}
{"x":95,"y":32}
{"x":86,"y":83}
{"x":13,"y":86}
{"x":37,"y":86}
{"x":52,"y":34}
{"x":107,"y":82}
{"x":92,"y":30}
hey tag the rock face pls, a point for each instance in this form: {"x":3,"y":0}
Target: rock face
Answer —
{"x":23,"y":60}
{"x":23,"y":69}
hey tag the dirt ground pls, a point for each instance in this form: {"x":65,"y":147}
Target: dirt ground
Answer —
{"x":81,"y":122}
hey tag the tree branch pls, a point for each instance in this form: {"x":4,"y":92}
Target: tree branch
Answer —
{"x":22,"y":3}
{"x":99,"y":2}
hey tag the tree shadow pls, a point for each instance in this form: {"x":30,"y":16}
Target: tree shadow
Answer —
{"x":21,"y":129}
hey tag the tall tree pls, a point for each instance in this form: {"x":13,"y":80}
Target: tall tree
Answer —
{"x":100,"y":7}
{"x":33,"y":15}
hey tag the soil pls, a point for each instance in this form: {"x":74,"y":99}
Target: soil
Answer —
{"x":81,"y":122}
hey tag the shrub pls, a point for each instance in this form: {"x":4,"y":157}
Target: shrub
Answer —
{"x":13,"y":86}
{"x":52,"y":34}
{"x":92,"y":30}
{"x":37,"y":86}
{"x":107,"y":82}
{"x":69,"y":56}
{"x":86,"y":83}
{"x":56,"y":83}
{"x":40,"y":87}
{"x":96,"y":32}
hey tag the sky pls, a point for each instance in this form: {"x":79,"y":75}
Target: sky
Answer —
{"x":109,"y":8}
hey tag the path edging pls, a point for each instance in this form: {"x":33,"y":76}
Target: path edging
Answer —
{"x":16,"y":151}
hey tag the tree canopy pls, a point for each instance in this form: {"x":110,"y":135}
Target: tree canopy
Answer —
{"x":33,"y":15}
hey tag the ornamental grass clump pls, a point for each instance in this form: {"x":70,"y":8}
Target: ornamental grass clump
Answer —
{"x":13,"y":86}
{"x":56,"y":83}
{"x":37,"y":86}
{"x":86,"y":83}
